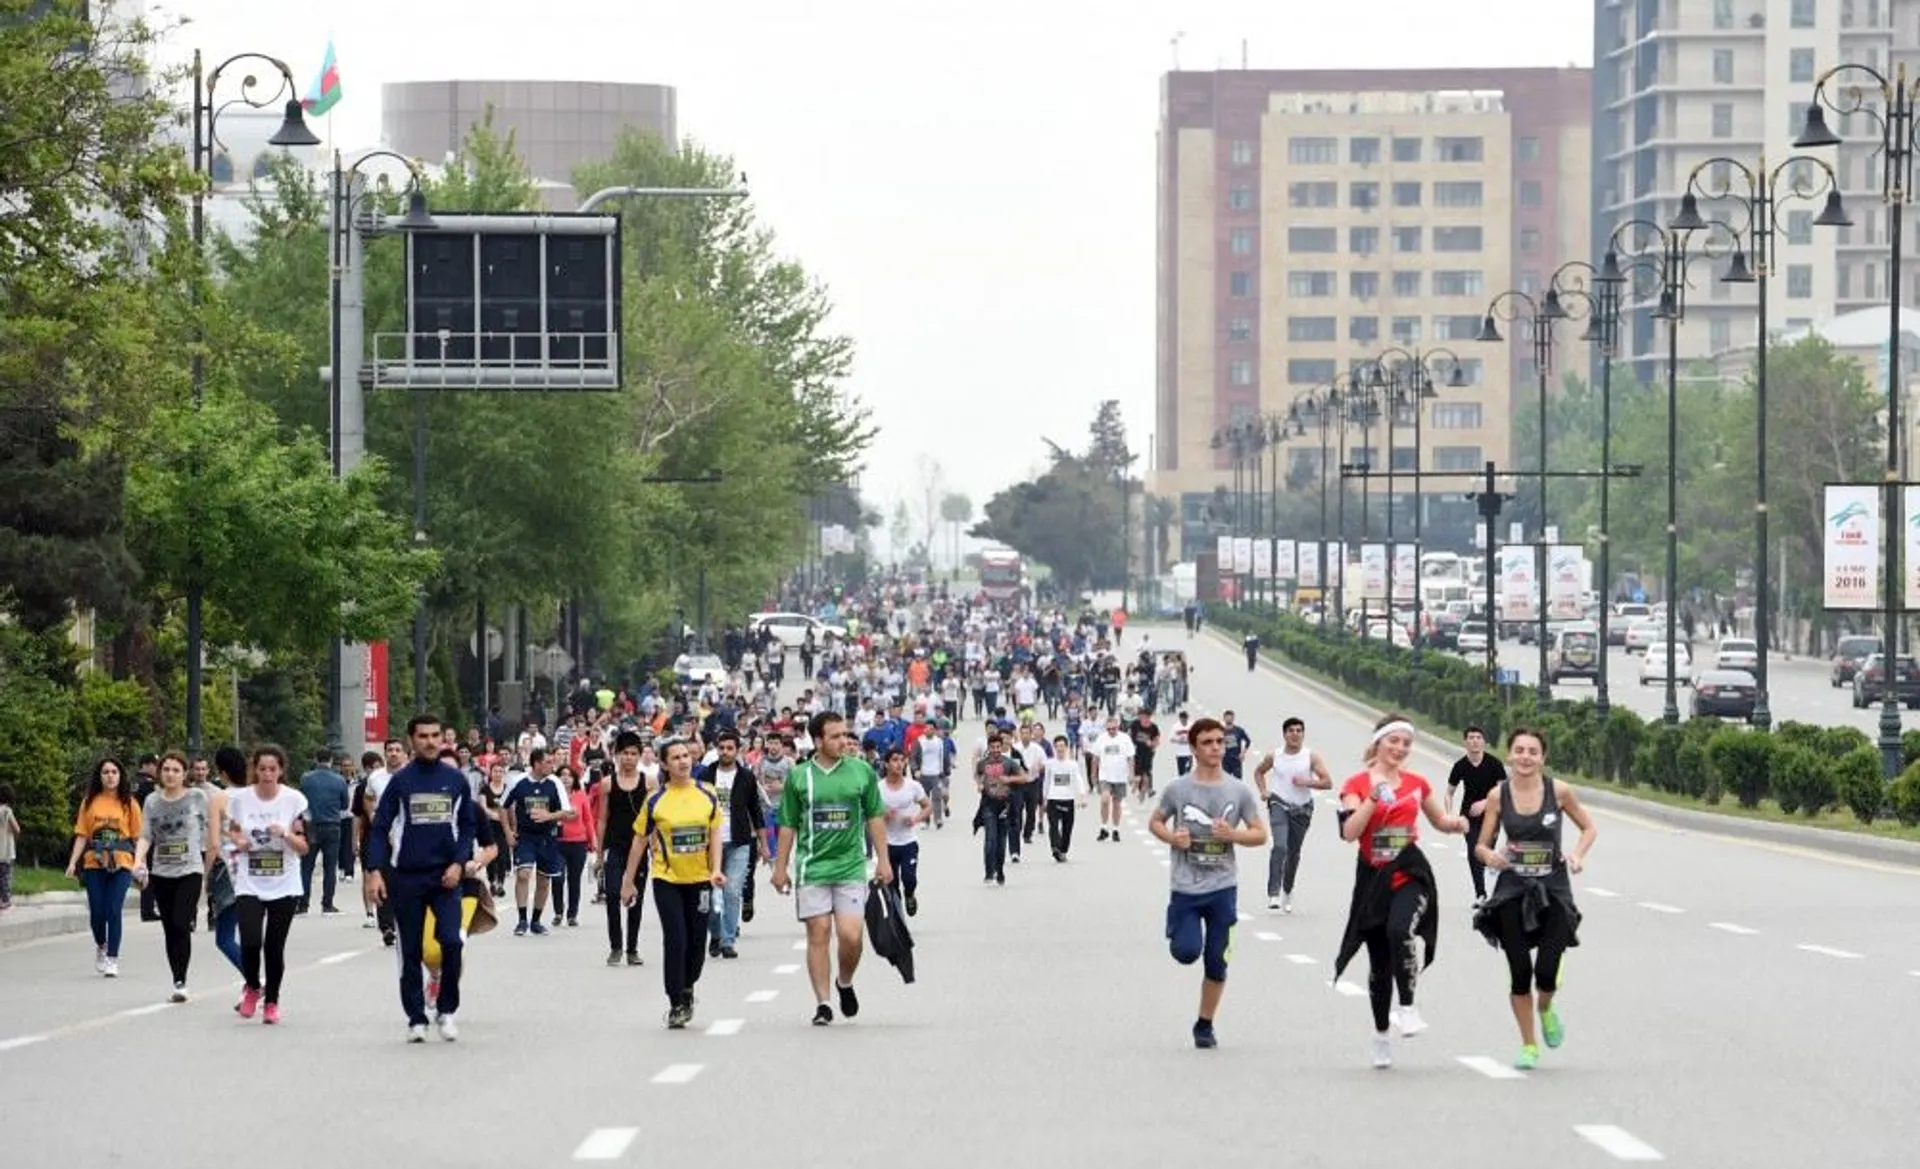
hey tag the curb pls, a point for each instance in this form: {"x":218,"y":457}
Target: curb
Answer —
{"x":48,"y":915}
{"x":1903,"y":853}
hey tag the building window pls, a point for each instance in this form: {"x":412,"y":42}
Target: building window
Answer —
{"x":1310,"y":283}
{"x":1843,"y":280}
{"x":1457,"y":194}
{"x":1801,"y":14}
{"x":1240,"y":152}
{"x":1407,"y":283}
{"x":1240,"y":241}
{"x":1459,"y":282}
{"x":1406,"y":194}
{"x":1528,"y":149}
{"x":1311,"y":371}
{"x":1313,"y":328}
{"x":1363,"y":329}
{"x":1799,"y":227}
{"x":1530,"y":283}
{"x":1363,"y":241}
{"x":1800,"y":65}
{"x":1313,"y":239}
{"x":1239,"y":285}
{"x":1799,"y":281}
{"x":1240,"y":197}
{"x":1529,"y":241}
{"x":1472,"y":369}
{"x":1313,"y":194}
{"x":1459,"y":150}
{"x":1406,"y":330}
{"x":1363,"y":150}
{"x":1723,"y":13}
{"x":1723,"y":66}
{"x":1719,"y":334}
{"x":1722,"y":119}
{"x":1306,"y":151}
{"x":1240,"y":329}
{"x":1456,"y":239}
{"x":1458,"y":458}
{"x":1456,"y":328}
{"x":1239,"y":373}
{"x":1363,"y":285}
{"x":1531,"y":194}
{"x":1406,"y":239}
{"x":1406,"y":150}
{"x":1363,"y":196}
{"x":1456,"y":416}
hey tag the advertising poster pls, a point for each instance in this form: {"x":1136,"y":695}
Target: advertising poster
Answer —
{"x":1307,"y":564}
{"x":1406,"y":571}
{"x":1566,"y":581}
{"x":1850,"y":568}
{"x":1243,"y":555}
{"x":1517,"y":585}
{"x":1286,"y":559}
{"x":1263,"y":559}
{"x":1373,"y":572}
{"x":1225,"y":555}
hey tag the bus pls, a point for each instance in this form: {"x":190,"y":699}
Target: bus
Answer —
{"x":1003,"y":575}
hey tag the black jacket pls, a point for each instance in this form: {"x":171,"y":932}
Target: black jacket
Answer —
{"x":887,"y":929}
{"x":1373,"y":899}
{"x":746,"y":811}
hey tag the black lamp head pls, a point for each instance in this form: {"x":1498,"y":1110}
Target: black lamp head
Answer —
{"x":293,"y":129}
{"x":1814,"y":132}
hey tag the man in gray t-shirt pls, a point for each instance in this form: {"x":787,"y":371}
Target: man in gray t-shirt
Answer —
{"x":1202,"y":817}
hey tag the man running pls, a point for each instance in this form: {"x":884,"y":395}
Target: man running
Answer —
{"x":830,"y":812}
{"x":1297,"y":773}
{"x":533,"y":811}
{"x":1202,"y":816}
{"x":1473,"y":778}
{"x":1146,"y":739}
{"x":1238,"y":740}
{"x":1111,"y":760}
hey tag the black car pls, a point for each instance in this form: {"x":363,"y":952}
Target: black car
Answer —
{"x":1870,"y":684}
{"x":1725,"y":694}
{"x":1847,"y":657}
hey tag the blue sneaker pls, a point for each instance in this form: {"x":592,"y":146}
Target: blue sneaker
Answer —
{"x":520,"y":931}
{"x":539,"y":929}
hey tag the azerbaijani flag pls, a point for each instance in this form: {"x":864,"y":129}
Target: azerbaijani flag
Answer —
{"x":325,"y":93}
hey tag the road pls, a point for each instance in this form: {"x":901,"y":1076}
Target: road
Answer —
{"x":1732,"y":1005}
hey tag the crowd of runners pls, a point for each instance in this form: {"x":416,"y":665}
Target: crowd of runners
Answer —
{"x":678,"y":796}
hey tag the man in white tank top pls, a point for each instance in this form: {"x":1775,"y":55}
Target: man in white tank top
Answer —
{"x":1287,"y":779}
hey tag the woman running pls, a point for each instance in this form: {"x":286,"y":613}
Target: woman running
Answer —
{"x":103,"y":849}
{"x":680,"y":826}
{"x":267,"y":827}
{"x":178,"y":843}
{"x":576,"y":833}
{"x":1530,"y":914}
{"x":1396,"y":910}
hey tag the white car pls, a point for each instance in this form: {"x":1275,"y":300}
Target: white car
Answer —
{"x":1653,"y":666}
{"x":1391,"y":632}
{"x":702,"y":668}
{"x":791,"y":628}
{"x":1473,"y":637}
{"x":1737,"y":653}
{"x":1641,"y":634}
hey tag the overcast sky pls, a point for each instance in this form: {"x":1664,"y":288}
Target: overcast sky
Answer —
{"x":975,"y":187}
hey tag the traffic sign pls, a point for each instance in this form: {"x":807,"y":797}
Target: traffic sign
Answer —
{"x":1506,"y":677}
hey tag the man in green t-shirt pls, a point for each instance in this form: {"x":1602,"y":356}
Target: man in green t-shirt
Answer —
{"x":829,"y":811}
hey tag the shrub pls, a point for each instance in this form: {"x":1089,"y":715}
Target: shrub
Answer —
{"x":1905,"y":796}
{"x":1857,"y":775}
{"x":1909,"y":749}
{"x":1802,"y":780}
{"x":1743,"y":763}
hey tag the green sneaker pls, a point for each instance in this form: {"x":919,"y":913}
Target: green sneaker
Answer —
{"x":1528,"y":1059}
{"x":1550,"y":1028}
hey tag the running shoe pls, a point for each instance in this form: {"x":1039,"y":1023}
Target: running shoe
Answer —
{"x":822,"y":1015}
{"x":572,"y":922}
{"x":633,"y":958}
{"x":248,"y":1004}
{"x":1550,"y":1028}
{"x":849,"y":1002}
{"x":1203,"y":1036}
{"x":1102,"y":836}
{"x":1273,"y":903}
{"x":449,"y":1028}
{"x":539,"y":928}
{"x":729,"y":952}
{"x":1382,"y":1050}
{"x":520,"y":931}
{"x":713,"y":948}
{"x":556,"y":921}
{"x":271,"y":1013}
{"x":678,"y":1016}
{"x":1286,"y":905}
{"x":112,"y":968}
{"x":913,"y":905}
{"x":179,"y":994}
{"x":613,"y":957}
{"x":1001,"y":878}
{"x":1528,"y":1059}
{"x":746,"y":912}
{"x":1411,"y":1024}
{"x":417,"y":1033}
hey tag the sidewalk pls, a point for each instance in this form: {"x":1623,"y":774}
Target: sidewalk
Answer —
{"x":47,"y":915}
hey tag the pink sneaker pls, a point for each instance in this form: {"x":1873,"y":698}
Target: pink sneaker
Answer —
{"x":433,"y":991}
{"x":272,"y":1013}
{"x":249,"y":1002}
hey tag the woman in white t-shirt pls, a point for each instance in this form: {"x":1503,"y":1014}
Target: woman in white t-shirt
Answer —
{"x":267,"y":827}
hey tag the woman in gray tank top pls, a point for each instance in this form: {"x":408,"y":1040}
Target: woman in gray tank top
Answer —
{"x":1531,"y":915}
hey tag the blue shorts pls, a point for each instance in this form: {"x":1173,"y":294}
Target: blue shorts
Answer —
{"x":1200,"y":929}
{"x":540,"y":853}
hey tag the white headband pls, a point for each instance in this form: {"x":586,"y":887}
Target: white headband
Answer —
{"x":1397,"y":727}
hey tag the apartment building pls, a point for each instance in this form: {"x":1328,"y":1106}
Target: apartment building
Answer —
{"x":1685,"y":89}
{"x":1312,"y":221}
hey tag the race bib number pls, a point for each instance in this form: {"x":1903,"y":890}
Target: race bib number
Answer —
{"x":429,"y":808}
{"x":1390,"y":842}
{"x":266,"y":864}
{"x":1211,"y":853}
{"x":1063,"y":781}
{"x":537,"y":804}
{"x":1528,"y":858}
{"x":690,"y":839}
{"x":832,"y":817}
{"x":171,"y":850}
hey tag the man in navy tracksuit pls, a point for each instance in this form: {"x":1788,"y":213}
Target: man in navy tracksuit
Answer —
{"x":417,"y":852}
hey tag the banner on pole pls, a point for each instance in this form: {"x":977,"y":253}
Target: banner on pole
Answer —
{"x":1373,"y":572}
{"x":1286,"y":559}
{"x":1263,"y":559}
{"x":1850,"y":568}
{"x":1307,"y":564}
{"x":1406,"y":571}
{"x":1517,"y":584}
{"x":1225,"y":555}
{"x":1911,"y":566}
{"x":1566,"y":582}
{"x":1243,"y":555}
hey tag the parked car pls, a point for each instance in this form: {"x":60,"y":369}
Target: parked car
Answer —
{"x":1736,"y":653}
{"x":1653,"y":664}
{"x":1573,"y":651}
{"x":1473,"y":637}
{"x":1719,"y":693}
{"x":791,"y":628}
{"x":1847,"y":657}
{"x":699,"y":669}
{"x":1870,"y":682}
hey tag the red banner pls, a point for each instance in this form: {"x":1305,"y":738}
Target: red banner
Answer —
{"x":376,"y":690}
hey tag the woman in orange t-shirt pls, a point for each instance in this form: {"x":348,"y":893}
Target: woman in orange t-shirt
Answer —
{"x":105,"y":834}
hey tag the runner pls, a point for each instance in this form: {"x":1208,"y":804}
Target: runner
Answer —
{"x":1202,"y":816}
{"x":177,"y":845}
{"x":1182,"y":747}
{"x":933,"y":755}
{"x":1299,"y":773}
{"x":1146,"y":738}
{"x":1066,"y":787}
{"x":1531,"y":915}
{"x":1238,"y":742}
{"x":997,"y":776}
{"x":103,"y":845}
{"x":266,"y":822}
{"x":681,"y":827}
{"x":1473,"y":777}
{"x":1395,"y":910}
{"x":531,"y":813}
{"x":1112,"y":755}
{"x":617,"y":805}
{"x":830,"y":812}
{"x":908,"y":807}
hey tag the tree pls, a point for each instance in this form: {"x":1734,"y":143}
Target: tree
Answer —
{"x":956,"y":510}
{"x":1107,"y":445}
{"x":1162,"y":514}
{"x":899,"y":531}
{"x":1070,"y":517}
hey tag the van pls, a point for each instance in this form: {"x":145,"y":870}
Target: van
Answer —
{"x":1573,"y":651}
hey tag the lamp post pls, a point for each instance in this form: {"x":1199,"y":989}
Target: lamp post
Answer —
{"x":1317,"y":409}
{"x":1760,"y":201}
{"x":293,"y":131}
{"x":1417,"y":366}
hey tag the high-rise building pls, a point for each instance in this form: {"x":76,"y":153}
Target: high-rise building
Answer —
{"x":1311,"y":220}
{"x":1678,"y":83}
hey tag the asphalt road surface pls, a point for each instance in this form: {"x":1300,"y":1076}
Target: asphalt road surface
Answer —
{"x":1732,"y":1005}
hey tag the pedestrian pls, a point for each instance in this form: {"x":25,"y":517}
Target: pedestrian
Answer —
{"x":1066,"y":789}
{"x":228,"y":775}
{"x":327,"y":796}
{"x":576,"y":833}
{"x":104,"y":836}
{"x":1202,"y":816}
{"x":9,"y":845}
{"x":266,"y":821}
{"x":1531,"y":915}
{"x":1297,"y":772}
{"x":1474,"y":775}
{"x":908,"y":806}
{"x":743,"y":813}
{"x":531,"y":814}
{"x":681,"y":825}
{"x":617,"y":805}
{"x":996,"y":776}
{"x":178,"y":843}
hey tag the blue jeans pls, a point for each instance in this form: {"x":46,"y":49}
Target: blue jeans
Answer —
{"x":106,"y":899}
{"x":724,"y":926}
{"x":226,"y":936}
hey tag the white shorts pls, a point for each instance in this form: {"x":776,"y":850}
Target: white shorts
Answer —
{"x":848,"y":899}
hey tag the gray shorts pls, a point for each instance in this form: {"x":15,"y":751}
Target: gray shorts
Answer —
{"x":1117,"y":790}
{"x":848,"y":899}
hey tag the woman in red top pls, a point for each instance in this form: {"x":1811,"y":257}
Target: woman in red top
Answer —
{"x":575,"y":832}
{"x":1395,"y":912}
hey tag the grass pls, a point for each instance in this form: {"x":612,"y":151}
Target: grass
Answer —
{"x":33,"y":879}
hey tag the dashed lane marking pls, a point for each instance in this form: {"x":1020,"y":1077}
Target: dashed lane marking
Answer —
{"x":1166,"y":864}
{"x":19,"y":1041}
{"x":606,"y":1144}
{"x":1491,"y":1068}
{"x":149,"y":1009}
{"x":725,"y":1026}
{"x":1728,"y":927}
{"x":1660,"y":907}
{"x":342,"y":956}
{"x":1302,"y":959}
{"x":1599,"y":892}
{"x":1265,"y":936}
{"x":763,"y":996}
{"x":799,"y":945}
{"x":1618,"y":1142}
{"x":788,"y":968}
{"x":1829,"y":951}
{"x":1351,"y":990}
{"x":678,"y":1073}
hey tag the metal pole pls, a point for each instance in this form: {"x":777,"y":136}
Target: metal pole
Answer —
{"x":1542,"y":360}
{"x":336,"y":659}
{"x":1674,"y":276}
{"x":1898,"y":122}
{"x":350,"y":347}
{"x":1322,"y":551}
{"x":1490,"y":511}
{"x":1126,"y":540}
{"x":1421,"y":379}
{"x":608,"y":194}
{"x":196,"y":596}
{"x":1760,"y":215}
{"x":1609,"y":308}
{"x":1340,"y":543}
{"x":420,"y":540}
{"x":1390,"y":401}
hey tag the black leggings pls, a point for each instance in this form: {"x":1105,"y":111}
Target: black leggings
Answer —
{"x":1393,"y":957}
{"x":178,"y":900}
{"x":683,"y":924}
{"x":613,"y":872}
{"x":1526,"y":972}
{"x":263,"y":934}
{"x":567,"y":887}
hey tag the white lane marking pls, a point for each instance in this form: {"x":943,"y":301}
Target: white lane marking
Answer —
{"x":1598,"y":892}
{"x":20,"y":1041}
{"x":763,"y":996}
{"x":789,"y":968}
{"x":1618,"y":1142}
{"x":678,"y":1073}
{"x":1245,"y":916}
{"x":725,"y":1026}
{"x":1730,"y":928}
{"x":1660,"y":907}
{"x":1266,"y":936}
{"x":1829,"y":951}
{"x":1302,"y":959}
{"x":1351,"y":990}
{"x":149,"y":1009}
{"x":800,"y":945}
{"x":1166,"y":864}
{"x":606,"y":1144}
{"x":1493,"y":1069}
{"x":349,"y":955}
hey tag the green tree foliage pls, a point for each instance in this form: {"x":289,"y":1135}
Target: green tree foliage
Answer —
{"x":1070,"y":517}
